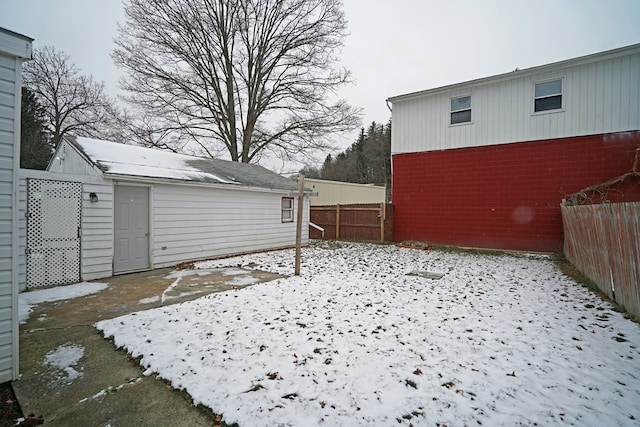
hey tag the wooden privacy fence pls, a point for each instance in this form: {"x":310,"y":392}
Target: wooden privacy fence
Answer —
{"x":603,"y":242}
{"x":370,"y":222}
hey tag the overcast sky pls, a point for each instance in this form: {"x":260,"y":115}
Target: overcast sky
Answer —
{"x":394,"y":46}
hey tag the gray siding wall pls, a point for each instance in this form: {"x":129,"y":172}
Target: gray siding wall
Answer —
{"x":96,"y":244}
{"x":201,"y":222}
{"x":8,"y":118}
{"x":13,"y":48}
{"x":601,"y":95}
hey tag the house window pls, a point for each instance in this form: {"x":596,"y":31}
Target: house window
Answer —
{"x":547,"y":96}
{"x":461,"y":110}
{"x":287,"y":209}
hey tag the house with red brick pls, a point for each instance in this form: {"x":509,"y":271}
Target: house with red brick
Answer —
{"x":486,"y":163}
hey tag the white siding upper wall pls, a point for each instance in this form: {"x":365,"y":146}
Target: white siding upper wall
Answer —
{"x":197,"y":222}
{"x":96,"y":243}
{"x":15,"y":45}
{"x":66,"y":159}
{"x":601,"y":94}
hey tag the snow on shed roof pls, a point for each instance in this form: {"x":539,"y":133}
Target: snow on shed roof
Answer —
{"x":115,"y":159}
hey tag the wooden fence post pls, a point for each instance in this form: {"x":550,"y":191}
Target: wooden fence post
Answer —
{"x":382,"y":218}
{"x":338,"y":222}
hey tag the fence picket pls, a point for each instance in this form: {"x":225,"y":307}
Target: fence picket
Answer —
{"x":369,"y":222}
{"x":603,"y":242}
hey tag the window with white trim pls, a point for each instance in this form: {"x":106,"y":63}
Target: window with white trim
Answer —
{"x":547,"y":95}
{"x":461,"y":110}
{"x":287,"y":209}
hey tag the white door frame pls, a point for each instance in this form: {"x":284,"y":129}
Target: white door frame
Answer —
{"x":149,"y":234}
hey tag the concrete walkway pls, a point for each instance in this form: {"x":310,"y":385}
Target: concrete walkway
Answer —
{"x":106,"y":386}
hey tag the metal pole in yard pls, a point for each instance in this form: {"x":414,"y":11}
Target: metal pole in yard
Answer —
{"x":299,"y":222}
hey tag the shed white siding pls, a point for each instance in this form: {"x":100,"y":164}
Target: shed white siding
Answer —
{"x":344,"y":193}
{"x":67,"y":160}
{"x":14,"y":48}
{"x":601,"y":94}
{"x":191,"y":222}
{"x":96,"y":242}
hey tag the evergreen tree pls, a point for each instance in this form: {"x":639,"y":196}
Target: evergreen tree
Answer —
{"x":366,"y":161}
{"x":35,"y":144}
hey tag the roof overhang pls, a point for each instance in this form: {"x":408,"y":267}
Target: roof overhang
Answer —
{"x":122,"y":179}
{"x":601,"y":56}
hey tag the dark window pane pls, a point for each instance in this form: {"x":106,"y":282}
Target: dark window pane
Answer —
{"x":550,"y":103}
{"x":461,"y":117}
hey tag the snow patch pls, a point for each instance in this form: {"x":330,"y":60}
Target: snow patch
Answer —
{"x":149,"y":300}
{"x":243,"y":280}
{"x":234,"y":271}
{"x":28,"y":300}
{"x":65,"y":357}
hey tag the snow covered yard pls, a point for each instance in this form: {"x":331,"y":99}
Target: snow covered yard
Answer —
{"x":498,"y":340}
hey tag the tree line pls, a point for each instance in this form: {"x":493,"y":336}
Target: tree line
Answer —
{"x":366,"y":161}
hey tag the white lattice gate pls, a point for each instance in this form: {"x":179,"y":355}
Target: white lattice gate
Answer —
{"x":53,"y":232}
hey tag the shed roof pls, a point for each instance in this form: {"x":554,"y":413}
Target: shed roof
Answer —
{"x":121,"y":160}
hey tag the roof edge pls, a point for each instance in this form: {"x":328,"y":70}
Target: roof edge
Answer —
{"x":580,"y":60}
{"x":157,"y":180}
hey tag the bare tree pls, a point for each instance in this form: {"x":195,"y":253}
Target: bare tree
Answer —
{"x":73,"y":103}
{"x":245,"y":77}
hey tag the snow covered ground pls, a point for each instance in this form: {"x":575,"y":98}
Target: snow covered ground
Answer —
{"x":498,"y":340}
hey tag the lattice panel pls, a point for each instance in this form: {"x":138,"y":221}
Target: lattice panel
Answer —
{"x":53,"y":232}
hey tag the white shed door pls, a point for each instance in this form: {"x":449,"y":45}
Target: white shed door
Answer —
{"x":53,"y":232}
{"x":131,"y":229}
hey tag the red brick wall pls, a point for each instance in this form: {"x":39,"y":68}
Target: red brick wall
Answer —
{"x":501,"y":196}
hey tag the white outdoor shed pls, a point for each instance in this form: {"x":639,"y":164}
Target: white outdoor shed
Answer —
{"x":14,"y":49}
{"x":105,"y":208}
